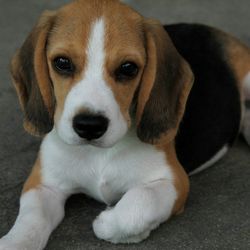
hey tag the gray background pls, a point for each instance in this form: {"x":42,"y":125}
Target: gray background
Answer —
{"x":217,"y":212}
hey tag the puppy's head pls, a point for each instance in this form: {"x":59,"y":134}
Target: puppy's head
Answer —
{"x":94,"y":67}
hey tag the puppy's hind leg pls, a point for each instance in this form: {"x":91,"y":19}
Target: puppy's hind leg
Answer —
{"x":245,"y":129}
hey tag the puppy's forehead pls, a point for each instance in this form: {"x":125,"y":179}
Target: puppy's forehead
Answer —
{"x":74,"y":22}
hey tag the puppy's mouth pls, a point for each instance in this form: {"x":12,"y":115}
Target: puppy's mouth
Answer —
{"x":75,"y":140}
{"x":98,"y":144}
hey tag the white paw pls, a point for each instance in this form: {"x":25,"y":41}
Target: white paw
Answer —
{"x":111,"y":227}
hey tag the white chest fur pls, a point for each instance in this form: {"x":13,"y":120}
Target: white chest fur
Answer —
{"x":105,"y":174}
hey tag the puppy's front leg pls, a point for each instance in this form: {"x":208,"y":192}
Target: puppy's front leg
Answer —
{"x":41,"y":210}
{"x":140,"y":210}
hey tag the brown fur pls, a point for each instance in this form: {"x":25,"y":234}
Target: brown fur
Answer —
{"x":181,"y":180}
{"x":34,"y":179}
{"x":238,"y":55}
{"x":239,"y":58}
{"x":148,"y":78}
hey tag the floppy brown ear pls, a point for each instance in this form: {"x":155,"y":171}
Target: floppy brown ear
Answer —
{"x":165,"y":86}
{"x":31,"y":79}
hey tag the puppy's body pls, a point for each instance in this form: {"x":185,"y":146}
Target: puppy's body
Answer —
{"x":213,"y":112}
{"x":112,"y":135}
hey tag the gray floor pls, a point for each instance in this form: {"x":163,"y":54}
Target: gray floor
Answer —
{"x":217,"y":215}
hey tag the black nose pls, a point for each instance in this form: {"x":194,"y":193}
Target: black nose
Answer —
{"x":90,"y":127}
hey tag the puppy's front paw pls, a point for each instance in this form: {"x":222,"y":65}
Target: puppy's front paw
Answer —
{"x":140,"y":210}
{"x":108,"y":226}
{"x":8,"y":245}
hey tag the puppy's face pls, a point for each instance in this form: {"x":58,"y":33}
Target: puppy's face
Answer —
{"x":85,"y":66}
{"x":95,"y":64}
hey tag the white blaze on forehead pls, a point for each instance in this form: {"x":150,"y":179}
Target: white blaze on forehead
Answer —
{"x":93,"y":93}
{"x":96,"y":52}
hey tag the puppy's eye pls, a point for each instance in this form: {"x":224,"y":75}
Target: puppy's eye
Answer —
{"x":63,"y":65}
{"x":127,"y":71}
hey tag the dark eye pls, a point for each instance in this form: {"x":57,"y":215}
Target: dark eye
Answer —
{"x":127,"y":71}
{"x":63,"y":65}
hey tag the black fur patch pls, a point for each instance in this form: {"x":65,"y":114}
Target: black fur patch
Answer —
{"x":213,"y":111}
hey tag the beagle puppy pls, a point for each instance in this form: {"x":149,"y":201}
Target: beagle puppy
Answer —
{"x":122,"y":119}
